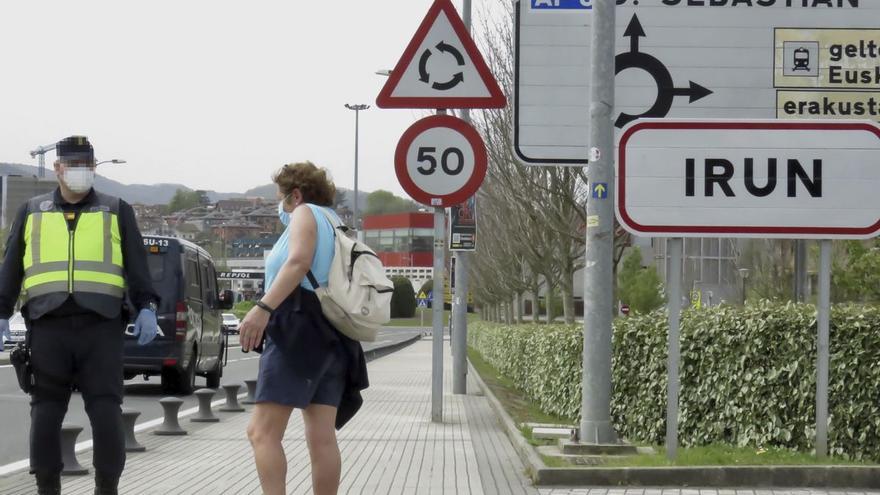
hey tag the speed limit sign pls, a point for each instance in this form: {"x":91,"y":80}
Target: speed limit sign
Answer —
{"x":440,"y":161}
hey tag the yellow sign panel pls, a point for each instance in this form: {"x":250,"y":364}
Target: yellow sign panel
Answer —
{"x":851,"y":105}
{"x":827,"y":58}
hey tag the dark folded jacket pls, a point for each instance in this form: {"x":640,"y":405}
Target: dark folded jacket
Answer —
{"x":298,"y":327}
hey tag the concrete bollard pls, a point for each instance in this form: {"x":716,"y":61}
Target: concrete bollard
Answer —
{"x":205,"y":396}
{"x":252,"y":391}
{"x":231,"y":399}
{"x":129,"y":417}
{"x":170,"y":425}
{"x":72,"y":467}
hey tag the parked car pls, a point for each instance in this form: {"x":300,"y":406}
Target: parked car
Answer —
{"x":17,"y":330}
{"x":230,"y":323}
{"x":190,"y":342}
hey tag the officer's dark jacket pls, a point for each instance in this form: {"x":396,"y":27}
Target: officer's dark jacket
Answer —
{"x":136,"y":272}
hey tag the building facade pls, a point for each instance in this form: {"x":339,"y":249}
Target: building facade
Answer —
{"x":15,"y":190}
{"x":405,"y":244}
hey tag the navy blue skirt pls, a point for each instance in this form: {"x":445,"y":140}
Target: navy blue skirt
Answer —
{"x":304,"y":360}
{"x":279,"y":381}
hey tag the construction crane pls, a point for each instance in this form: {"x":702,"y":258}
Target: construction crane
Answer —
{"x":41,"y":151}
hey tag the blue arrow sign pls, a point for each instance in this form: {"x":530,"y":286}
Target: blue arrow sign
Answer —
{"x":561,"y":4}
{"x":423,"y":303}
{"x":600,"y":190}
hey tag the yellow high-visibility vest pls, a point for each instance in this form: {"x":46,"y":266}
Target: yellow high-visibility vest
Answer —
{"x":85,"y":260}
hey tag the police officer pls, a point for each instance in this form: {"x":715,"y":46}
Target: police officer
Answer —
{"x":72,"y":254}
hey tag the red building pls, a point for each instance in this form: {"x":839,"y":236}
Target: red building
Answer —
{"x":404,"y":243}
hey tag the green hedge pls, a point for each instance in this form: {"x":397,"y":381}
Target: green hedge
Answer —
{"x":403,"y":300}
{"x":748,"y":375}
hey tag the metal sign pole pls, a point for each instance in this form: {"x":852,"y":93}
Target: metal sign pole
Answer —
{"x":674,"y":249}
{"x":437,"y":309}
{"x":595,"y":424}
{"x":460,"y":298}
{"x":823,"y":321}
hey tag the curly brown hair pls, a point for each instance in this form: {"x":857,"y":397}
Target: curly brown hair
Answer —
{"x":313,"y":182}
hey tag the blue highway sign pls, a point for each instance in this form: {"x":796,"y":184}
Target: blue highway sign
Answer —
{"x":561,"y":4}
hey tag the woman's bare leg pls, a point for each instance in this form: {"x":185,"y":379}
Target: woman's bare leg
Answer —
{"x":320,"y":423}
{"x":266,"y":431}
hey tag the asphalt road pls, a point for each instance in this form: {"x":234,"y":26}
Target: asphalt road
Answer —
{"x":139,"y":394}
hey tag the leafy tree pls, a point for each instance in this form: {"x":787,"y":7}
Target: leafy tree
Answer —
{"x":340,"y":199}
{"x":184,"y":200}
{"x":856,"y":272}
{"x":403,"y":301}
{"x":639,"y":287}
{"x":383,"y":202}
{"x":204,"y":200}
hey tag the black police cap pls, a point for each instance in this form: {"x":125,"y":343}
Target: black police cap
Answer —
{"x":75,"y":148}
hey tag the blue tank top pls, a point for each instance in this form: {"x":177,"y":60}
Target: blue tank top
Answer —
{"x":325,"y":248}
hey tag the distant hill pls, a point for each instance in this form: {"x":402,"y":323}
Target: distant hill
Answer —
{"x":160,"y":194}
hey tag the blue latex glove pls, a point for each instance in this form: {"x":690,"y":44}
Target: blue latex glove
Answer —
{"x":5,"y":336}
{"x":146,"y":327}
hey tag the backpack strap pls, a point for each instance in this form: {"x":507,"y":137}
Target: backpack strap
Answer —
{"x":336,"y":224}
{"x":333,"y":224}
{"x":312,"y":279}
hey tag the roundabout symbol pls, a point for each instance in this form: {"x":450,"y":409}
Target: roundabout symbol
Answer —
{"x":457,"y":78}
{"x":666,"y":90}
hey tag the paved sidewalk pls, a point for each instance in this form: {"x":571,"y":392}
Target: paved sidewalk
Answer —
{"x":391,"y":446}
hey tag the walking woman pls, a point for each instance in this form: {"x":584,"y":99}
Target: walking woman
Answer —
{"x":306,"y":363}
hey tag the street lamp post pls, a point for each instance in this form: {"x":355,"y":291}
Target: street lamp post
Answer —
{"x":357,"y":110}
{"x":115,"y":160}
{"x":744,"y":273}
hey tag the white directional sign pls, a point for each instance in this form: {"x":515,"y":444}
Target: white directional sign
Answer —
{"x":743,"y":59}
{"x":765,"y":178}
{"x":441,"y":68}
{"x":440,"y":161}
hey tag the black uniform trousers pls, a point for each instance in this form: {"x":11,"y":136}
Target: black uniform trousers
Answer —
{"x":85,"y":350}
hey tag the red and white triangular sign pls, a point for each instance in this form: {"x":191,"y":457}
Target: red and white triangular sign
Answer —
{"x":441,"y":68}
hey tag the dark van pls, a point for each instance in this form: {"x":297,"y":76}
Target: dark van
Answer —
{"x":190,"y":340}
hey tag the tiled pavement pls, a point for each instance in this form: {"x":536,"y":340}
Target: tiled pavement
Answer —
{"x":391,"y":447}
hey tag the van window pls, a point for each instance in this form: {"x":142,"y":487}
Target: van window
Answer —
{"x":191,"y":267}
{"x":156,"y":264}
{"x":209,"y":284}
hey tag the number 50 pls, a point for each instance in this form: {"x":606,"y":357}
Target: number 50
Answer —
{"x":427,"y":157}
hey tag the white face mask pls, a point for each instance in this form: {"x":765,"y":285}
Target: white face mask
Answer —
{"x":79,"y":179}
{"x":283,"y":215}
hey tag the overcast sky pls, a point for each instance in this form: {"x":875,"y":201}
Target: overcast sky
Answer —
{"x":213,"y":94}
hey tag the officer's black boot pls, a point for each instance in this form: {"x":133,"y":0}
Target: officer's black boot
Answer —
{"x":105,"y":485}
{"x":48,"y":484}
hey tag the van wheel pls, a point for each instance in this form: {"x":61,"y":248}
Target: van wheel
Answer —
{"x":169,"y":381}
{"x":186,"y":382}
{"x":212,"y":379}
